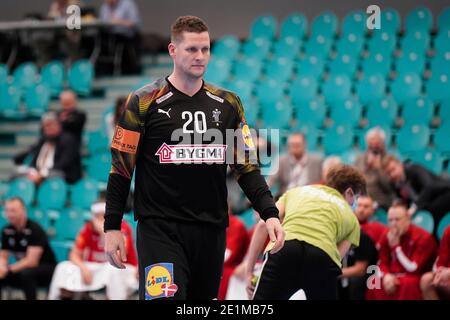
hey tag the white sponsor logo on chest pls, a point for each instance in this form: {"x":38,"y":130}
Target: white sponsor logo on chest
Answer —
{"x":182,"y":153}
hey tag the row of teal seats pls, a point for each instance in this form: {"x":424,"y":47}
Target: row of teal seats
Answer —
{"x":326,"y":23}
{"x":36,"y":101}
{"x":53,"y":75}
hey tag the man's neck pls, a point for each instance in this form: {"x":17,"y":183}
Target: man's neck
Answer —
{"x":21,"y":225}
{"x":188,"y":86}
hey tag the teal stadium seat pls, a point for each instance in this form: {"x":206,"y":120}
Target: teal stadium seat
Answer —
{"x":256,"y":48}
{"x":337,"y":139}
{"x":376,"y":63}
{"x":99,"y":166}
{"x":318,"y":45}
{"x":52,"y":194}
{"x":382,"y":42}
{"x":3,"y":190}
{"x":411,"y":139}
{"x":25,"y":75}
{"x":406,"y":86}
{"x":424,"y":219}
{"x":380,"y":216}
{"x":37,"y":100}
{"x":218,"y":71}
{"x":390,"y":20}
{"x":52,"y":75}
{"x":303,"y":88}
{"x":251,"y":109}
{"x":336,"y":87}
{"x":247,"y":69}
{"x":4,"y":73}
{"x":441,"y":64}
{"x":418,"y":110}
{"x":242,"y":88}
{"x":343,"y":64}
{"x":80,"y":77}
{"x":417,"y":41}
{"x":264,"y":26}
{"x":287,"y":47}
{"x":42,"y":217}
{"x":279,"y":69}
{"x":268,"y":92}
{"x":311,"y":65}
{"x":277,"y":115}
{"x":69,"y":223}
{"x":354,"y":22}
{"x":23,"y":188}
{"x":410,"y":62}
{"x":442,"y":42}
{"x":419,"y":18}
{"x":444,"y":113}
{"x":346,"y":112}
{"x":325,"y":24}
{"x":351,"y":44}
{"x":3,"y":220}
{"x":295,"y":25}
{"x":430,"y":159}
{"x":441,"y":139}
{"x":226,"y":47}
{"x":10,"y":103}
{"x":311,"y":113}
{"x":371,"y":88}
{"x":61,"y":249}
{"x":84,"y":193}
{"x":443,"y":224}
{"x":97,"y":141}
{"x":437,"y":87}
{"x":443,"y":20}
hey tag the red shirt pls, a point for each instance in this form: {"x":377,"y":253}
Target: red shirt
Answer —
{"x":91,"y":243}
{"x":375,"y":231}
{"x":443,"y":259}
{"x":416,"y":244}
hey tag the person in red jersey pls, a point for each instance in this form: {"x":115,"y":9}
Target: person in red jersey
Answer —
{"x":88,"y":269}
{"x":365,"y":210}
{"x":236,"y":247}
{"x":406,"y":253}
{"x":436,"y":285}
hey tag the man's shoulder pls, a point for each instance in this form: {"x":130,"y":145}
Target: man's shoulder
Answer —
{"x":152,"y":90}
{"x":222,"y":95}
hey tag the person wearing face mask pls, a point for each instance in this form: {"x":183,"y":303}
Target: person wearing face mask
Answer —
{"x":419,"y":187}
{"x":87,"y":268}
{"x":55,"y":154}
{"x":406,"y":253}
{"x":369,"y":163}
{"x":320,"y":228}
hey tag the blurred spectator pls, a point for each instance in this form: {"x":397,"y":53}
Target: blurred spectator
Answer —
{"x":55,"y":154}
{"x":406,"y":252}
{"x":124,"y":14}
{"x":58,"y":8}
{"x":26,"y":241}
{"x":71,"y":118}
{"x":369,"y":163}
{"x":298,"y":167}
{"x":364,"y":211}
{"x":421,"y":188}
{"x":436,"y":284}
{"x":113,"y":117}
{"x":236,"y":247}
{"x":87,"y":268}
{"x":328,"y":163}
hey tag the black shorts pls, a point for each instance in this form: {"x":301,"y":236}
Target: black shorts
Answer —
{"x":179,"y":260}
{"x":298,"y":265}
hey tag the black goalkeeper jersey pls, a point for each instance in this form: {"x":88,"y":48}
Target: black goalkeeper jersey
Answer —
{"x":180,"y":162}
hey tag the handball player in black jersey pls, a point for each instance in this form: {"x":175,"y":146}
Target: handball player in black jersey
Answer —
{"x":165,"y":138}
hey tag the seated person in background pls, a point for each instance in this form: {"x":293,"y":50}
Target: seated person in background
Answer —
{"x":421,"y":188}
{"x":364,"y":210}
{"x":25,"y":240}
{"x":436,"y":284}
{"x":58,"y":8}
{"x":56,"y":154}
{"x":370,"y":164}
{"x":112,"y":117}
{"x":88,"y":269}
{"x":236,"y":247}
{"x":72,"y":119}
{"x":406,"y":252}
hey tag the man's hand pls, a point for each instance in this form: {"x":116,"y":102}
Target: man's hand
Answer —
{"x":390,"y":283}
{"x":250,"y":284}
{"x":115,"y":248}
{"x":393,"y":237}
{"x":86,"y":275}
{"x":441,"y":277}
{"x":276,"y":234}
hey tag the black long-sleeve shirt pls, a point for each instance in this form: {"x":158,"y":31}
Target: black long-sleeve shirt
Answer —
{"x":180,"y":172}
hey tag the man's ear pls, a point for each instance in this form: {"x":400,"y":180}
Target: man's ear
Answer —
{"x":171,"y":49}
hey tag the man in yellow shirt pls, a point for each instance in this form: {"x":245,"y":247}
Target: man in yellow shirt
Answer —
{"x":320,"y":228}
